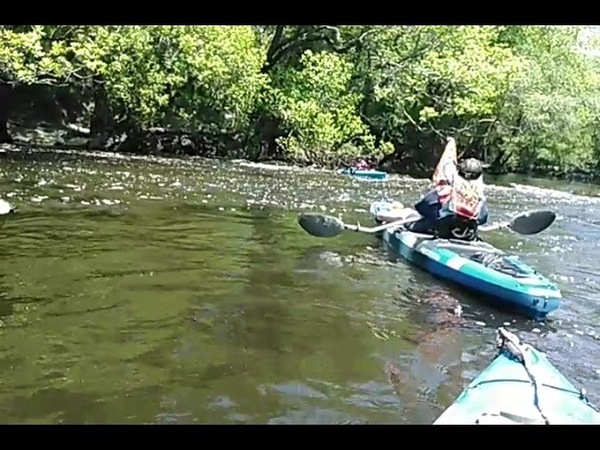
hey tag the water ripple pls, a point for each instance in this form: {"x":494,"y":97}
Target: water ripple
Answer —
{"x":165,"y":290}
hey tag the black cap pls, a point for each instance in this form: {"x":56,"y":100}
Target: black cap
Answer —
{"x":470,"y":169}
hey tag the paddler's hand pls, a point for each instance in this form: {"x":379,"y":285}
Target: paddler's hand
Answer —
{"x":450,"y":143}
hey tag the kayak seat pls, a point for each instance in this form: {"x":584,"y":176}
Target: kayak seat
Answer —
{"x":496,"y":262}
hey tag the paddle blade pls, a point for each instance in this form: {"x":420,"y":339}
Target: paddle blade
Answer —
{"x":532,"y":222}
{"x":320,"y":225}
{"x":6,"y":208}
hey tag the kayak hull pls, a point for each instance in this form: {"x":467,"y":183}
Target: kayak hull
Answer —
{"x":502,"y":279}
{"x":370,"y":174}
{"x":505,"y":393}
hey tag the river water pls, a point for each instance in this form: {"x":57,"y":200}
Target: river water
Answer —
{"x":147,"y":290}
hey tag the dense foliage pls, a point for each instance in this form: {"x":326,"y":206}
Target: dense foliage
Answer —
{"x":519,"y":97}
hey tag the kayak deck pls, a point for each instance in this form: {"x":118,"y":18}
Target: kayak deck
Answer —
{"x":520,"y":386}
{"x":477,"y":266}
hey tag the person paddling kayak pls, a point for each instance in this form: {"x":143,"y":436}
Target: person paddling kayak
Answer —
{"x":456,"y":205}
{"x":361,"y":164}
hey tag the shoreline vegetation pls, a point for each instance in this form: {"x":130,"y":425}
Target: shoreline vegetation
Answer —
{"x":525,"y":99}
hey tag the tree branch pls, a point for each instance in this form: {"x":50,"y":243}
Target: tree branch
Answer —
{"x":337,"y":44}
{"x":275,"y":42}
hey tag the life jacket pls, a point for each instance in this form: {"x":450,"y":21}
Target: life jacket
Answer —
{"x":462,"y":198}
{"x":454,"y":227}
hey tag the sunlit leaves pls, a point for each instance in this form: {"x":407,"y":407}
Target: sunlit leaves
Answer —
{"x":424,"y":73}
{"x":316,"y":104}
{"x":556,"y":97}
{"x":24,"y":59}
{"x":524,"y":95}
{"x":181,"y":70}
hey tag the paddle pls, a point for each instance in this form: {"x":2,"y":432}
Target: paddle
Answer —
{"x":321,"y":225}
{"x":529,"y":222}
{"x":5,"y":210}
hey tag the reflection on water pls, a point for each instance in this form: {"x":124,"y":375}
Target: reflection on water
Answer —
{"x":168,"y":291}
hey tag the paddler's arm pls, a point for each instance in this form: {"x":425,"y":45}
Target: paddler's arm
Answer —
{"x":450,"y":165}
{"x":447,"y":167}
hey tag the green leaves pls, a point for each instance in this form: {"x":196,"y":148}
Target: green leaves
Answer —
{"x":23,"y":57}
{"x":146,"y":68}
{"x":316,"y":106}
{"x":427,"y":75}
{"x":553,"y":101}
{"x":522,"y":95}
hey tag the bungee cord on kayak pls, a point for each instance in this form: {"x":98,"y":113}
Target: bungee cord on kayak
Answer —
{"x":447,"y":241}
{"x":512,"y":389}
{"x":511,"y":343}
{"x":512,"y":283}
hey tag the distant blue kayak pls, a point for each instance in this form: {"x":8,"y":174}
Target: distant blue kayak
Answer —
{"x":479,"y":267}
{"x":520,"y":386}
{"x":372,"y":174}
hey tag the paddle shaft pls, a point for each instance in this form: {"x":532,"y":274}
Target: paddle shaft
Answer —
{"x":397,"y":223}
{"x":494,"y":227}
{"x":527,"y":223}
{"x":385,"y":226}
{"x":414,"y":218}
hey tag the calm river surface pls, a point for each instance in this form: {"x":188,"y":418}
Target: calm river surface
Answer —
{"x":143,"y":290}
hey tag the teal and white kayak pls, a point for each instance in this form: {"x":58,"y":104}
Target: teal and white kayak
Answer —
{"x":370,"y":174}
{"x":520,"y":386}
{"x":502,"y":279}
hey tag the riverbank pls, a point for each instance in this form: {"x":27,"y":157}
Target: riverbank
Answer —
{"x":163,"y":143}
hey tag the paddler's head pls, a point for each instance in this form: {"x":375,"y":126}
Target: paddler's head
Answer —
{"x":470,"y":169}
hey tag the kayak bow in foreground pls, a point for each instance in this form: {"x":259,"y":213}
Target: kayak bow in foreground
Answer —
{"x":520,"y":386}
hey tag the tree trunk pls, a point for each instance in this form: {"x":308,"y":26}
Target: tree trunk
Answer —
{"x":5,"y":137}
{"x":101,"y":123}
